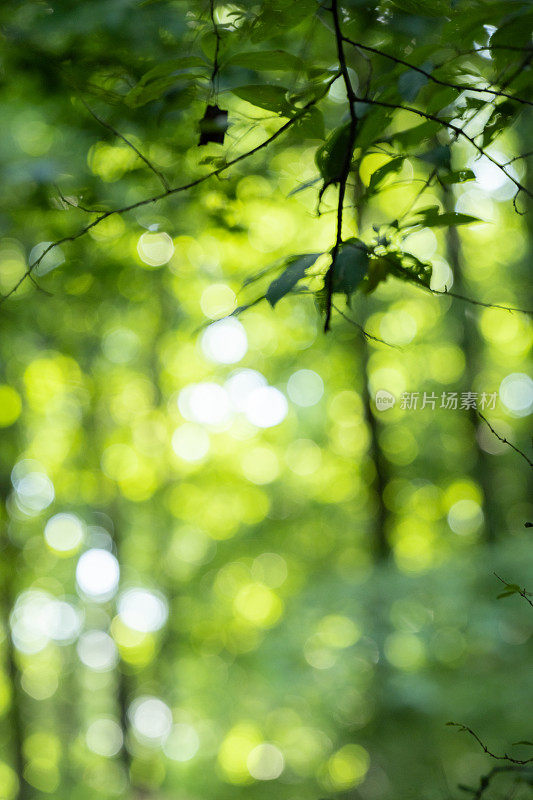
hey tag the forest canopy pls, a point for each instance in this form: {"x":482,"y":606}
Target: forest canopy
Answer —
{"x":266,"y":309}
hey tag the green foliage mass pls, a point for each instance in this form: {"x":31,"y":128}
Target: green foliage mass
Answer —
{"x":227,"y":572}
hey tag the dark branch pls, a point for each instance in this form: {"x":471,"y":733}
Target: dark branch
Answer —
{"x":431,"y":77}
{"x":214,"y":73}
{"x":330,"y":275}
{"x":504,"y":757}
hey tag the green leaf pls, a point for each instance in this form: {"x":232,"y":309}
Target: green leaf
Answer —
{"x":410,"y":82}
{"x":438,"y":156}
{"x":309,"y":126}
{"x":459,"y":176}
{"x":407,"y":267}
{"x":155,"y":83}
{"x":431,"y":218}
{"x":414,"y":136}
{"x":272,"y":98}
{"x":288,"y":279}
{"x":303,"y":186}
{"x":281,"y":14}
{"x":391,"y":166}
{"x":271,"y":60}
{"x":350,"y":266}
{"x":524,"y":741}
{"x":373,"y":123}
{"x":430,"y":8}
{"x":499,"y":120}
{"x":331,"y":157}
{"x":378,"y":271}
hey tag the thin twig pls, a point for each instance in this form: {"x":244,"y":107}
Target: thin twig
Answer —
{"x":480,"y":302}
{"x":130,"y":144}
{"x":484,"y":781}
{"x":363,"y":331}
{"x":431,"y":77}
{"x":416,"y":282}
{"x":76,"y":205}
{"x":522,"y":592}
{"x":452,"y":127}
{"x":517,"y":158}
{"x":504,"y":757}
{"x":504,"y":440}
{"x":171,"y":190}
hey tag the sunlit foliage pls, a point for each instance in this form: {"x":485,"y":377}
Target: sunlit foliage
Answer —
{"x":226,"y":571}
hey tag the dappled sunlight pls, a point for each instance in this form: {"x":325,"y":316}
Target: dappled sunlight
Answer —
{"x":243,"y":557}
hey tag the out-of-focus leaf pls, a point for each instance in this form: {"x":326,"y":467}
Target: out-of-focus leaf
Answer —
{"x":331,"y":157}
{"x":498,"y":121}
{"x":411,"y":81}
{"x":432,"y":218}
{"x":285,"y":14}
{"x":157,"y":81}
{"x":415,"y":136}
{"x":272,"y":98}
{"x":438,"y":156}
{"x":429,"y":8}
{"x":350,"y":266}
{"x":373,"y":123}
{"x":309,"y":126}
{"x":407,"y":267}
{"x":303,"y":186}
{"x":378,"y":271}
{"x":394,"y":165}
{"x":288,"y":279}
{"x":273,"y":60}
{"x":459,"y":176}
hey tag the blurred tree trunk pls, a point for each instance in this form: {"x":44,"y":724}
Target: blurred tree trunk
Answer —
{"x":473,"y":347}
{"x":16,"y":721}
{"x":380,"y":545}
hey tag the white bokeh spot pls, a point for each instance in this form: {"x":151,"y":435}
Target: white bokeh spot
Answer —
{"x":97,"y":574}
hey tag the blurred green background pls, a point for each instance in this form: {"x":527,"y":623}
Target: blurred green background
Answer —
{"x":225,"y":573}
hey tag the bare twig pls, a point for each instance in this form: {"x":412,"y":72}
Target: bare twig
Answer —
{"x":504,"y":440}
{"x":171,"y":190}
{"x":363,"y":331}
{"x":518,"y":158}
{"x":431,"y":77}
{"x":135,"y":149}
{"x":481,"y":303}
{"x":505,"y":757}
{"x":451,"y":127}
{"x":485,"y":780}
